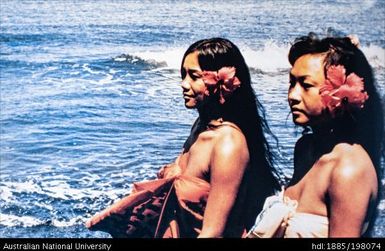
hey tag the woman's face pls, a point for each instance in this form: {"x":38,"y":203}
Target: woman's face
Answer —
{"x":192,"y":83}
{"x":306,"y":78}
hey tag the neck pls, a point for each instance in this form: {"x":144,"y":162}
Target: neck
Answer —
{"x":209,"y":113}
{"x":327,"y":137}
{"x":214,"y":123}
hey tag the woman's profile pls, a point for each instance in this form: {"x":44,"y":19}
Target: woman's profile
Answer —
{"x":335,"y":187}
{"x":221,"y":179}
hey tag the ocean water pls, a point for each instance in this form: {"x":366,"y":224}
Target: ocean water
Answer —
{"x":90,"y":96}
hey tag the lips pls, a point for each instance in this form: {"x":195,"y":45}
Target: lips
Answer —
{"x":295,"y":110}
{"x":187,"y":96}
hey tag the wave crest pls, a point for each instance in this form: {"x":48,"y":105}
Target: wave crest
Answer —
{"x":270,"y":58}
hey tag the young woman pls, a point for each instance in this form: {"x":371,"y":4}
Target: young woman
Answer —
{"x":224,"y":173}
{"x":335,"y":186}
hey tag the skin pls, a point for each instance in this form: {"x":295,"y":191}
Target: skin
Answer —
{"x":306,"y":76}
{"x":342,"y":184}
{"x":218,"y":155}
{"x":192,"y":84}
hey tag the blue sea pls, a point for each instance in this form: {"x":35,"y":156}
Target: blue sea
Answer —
{"x":90,"y":97}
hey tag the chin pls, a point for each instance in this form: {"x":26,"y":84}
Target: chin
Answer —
{"x":189,"y":106}
{"x":300,"y":121}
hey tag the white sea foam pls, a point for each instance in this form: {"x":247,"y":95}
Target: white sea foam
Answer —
{"x":29,"y":186}
{"x":272,"y":57}
{"x":375,"y":55}
{"x":10,"y":220}
{"x":61,"y":190}
{"x":120,"y":59}
{"x":56,"y":188}
{"x":89,"y":178}
{"x":88,"y":69}
{"x":171,"y":56}
{"x":381,"y":205}
{"x":43,"y":205}
{"x":106,"y":79}
{"x":71,"y":222}
{"x":368,"y":4}
{"x":5,"y":193}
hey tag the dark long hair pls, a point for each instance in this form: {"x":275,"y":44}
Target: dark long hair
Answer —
{"x":362,"y":126}
{"x":243,"y":109}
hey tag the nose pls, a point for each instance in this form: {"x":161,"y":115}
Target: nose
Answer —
{"x":294,"y":94}
{"x":185,"y":85}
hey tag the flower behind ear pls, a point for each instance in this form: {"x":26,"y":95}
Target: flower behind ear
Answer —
{"x":224,"y":81}
{"x":341,"y":92}
{"x":336,"y":76}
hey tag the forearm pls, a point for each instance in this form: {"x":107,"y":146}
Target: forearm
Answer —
{"x":210,"y":233}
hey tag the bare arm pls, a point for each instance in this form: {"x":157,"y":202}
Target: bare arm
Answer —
{"x":351,"y":188}
{"x":228,"y":163}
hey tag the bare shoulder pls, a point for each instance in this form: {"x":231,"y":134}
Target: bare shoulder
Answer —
{"x":224,"y":142}
{"x":229,"y":139}
{"x":352,"y":164}
{"x":230,"y":155}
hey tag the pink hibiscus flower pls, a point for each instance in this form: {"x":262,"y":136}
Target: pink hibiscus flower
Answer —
{"x":341,"y":92}
{"x":224,"y":81}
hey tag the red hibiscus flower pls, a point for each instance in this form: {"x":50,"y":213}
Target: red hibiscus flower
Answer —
{"x":224,"y":81}
{"x":341,"y":92}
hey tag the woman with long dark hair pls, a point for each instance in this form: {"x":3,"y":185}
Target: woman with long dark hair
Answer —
{"x":335,"y":187}
{"x":227,"y":147}
{"x":222,"y":177}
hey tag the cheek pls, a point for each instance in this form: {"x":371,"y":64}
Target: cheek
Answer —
{"x":315,"y":105}
{"x":199,"y":88}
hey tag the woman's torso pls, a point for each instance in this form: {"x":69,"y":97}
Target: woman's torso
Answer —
{"x":312,"y":191}
{"x":195,"y":162}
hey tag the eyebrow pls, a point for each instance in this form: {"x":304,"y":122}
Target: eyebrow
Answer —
{"x":300,"y":78}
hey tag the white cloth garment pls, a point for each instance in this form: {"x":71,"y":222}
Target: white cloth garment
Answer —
{"x":280,"y":219}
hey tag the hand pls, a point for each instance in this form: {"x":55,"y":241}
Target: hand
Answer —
{"x":160,"y":173}
{"x":169,"y":170}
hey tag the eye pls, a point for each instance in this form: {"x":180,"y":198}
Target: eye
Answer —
{"x":306,"y":85}
{"x":195,"y":76}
